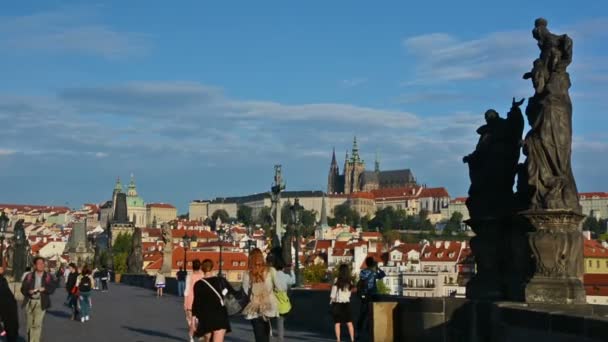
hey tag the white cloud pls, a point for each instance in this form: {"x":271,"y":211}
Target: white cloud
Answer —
{"x":353,"y":82}
{"x":6,"y":152}
{"x":68,"y":31}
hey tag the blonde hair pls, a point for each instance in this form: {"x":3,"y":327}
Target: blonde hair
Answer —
{"x":257,"y":266}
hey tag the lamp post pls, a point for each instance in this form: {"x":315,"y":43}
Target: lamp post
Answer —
{"x":3,"y":224}
{"x":296,"y":215}
{"x":220,"y":233}
{"x":186,"y":239}
{"x":250,"y":240}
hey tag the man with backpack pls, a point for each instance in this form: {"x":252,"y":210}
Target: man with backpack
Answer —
{"x":367,"y":289}
{"x":36,"y":288}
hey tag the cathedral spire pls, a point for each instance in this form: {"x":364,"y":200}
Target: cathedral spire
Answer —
{"x":333,"y":157}
{"x":355,"y":157}
{"x":377,"y":163}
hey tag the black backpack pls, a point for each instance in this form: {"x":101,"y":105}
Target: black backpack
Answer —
{"x":85,"y":284}
{"x":362,"y":288}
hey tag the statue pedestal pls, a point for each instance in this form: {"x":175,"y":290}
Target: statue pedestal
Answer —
{"x":557,"y":246}
{"x":486,"y":284}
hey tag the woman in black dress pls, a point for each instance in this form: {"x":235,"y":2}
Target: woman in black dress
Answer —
{"x":208,"y":305}
{"x":340,"y":302}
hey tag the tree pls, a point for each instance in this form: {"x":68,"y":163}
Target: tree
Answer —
{"x":391,"y":236}
{"x":263,"y":218}
{"x":593,"y":225}
{"x":309,"y":218}
{"x":244,"y":215}
{"x":344,"y":214}
{"x":222,"y":214}
{"x":120,"y":251}
{"x":453,"y":224}
{"x":382,"y":288}
{"x":365,"y":222}
{"x":315,"y":273}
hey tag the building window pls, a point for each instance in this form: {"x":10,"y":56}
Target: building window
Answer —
{"x":590,"y":264}
{"x":597,"y":263}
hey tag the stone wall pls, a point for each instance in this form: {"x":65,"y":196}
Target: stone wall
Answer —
{"x":453,"y":319}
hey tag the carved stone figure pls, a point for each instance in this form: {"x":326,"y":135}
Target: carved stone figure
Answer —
{"x":135,"y":261}
{"x":548,"y":145}
{"x":547,"y":188}
{"x":20,"y":253}
{"x":167,"y":249}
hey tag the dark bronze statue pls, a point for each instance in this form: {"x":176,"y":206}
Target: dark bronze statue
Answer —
{"x":548,"y":145}
{"x":20,"y":253}
{"x":493,"y":164}
{"x":135,"y":261}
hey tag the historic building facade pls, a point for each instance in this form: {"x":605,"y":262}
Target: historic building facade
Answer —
{"x":355,"y":178}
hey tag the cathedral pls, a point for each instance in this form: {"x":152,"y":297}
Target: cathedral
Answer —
{"x":356,"y":179}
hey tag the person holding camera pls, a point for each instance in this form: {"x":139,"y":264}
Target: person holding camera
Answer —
{"x":366,"y":289}
{"x":36,"y":288}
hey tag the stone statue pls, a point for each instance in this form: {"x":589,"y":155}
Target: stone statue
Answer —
{"x":135,"y":261}
{"x":493,"y":164}
{"x":547,"y":188}
{"x":548,"y":145}
{"x":20,"y":253}
{"x":167,"y":249}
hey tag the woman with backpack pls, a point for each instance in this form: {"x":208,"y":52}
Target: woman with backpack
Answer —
{"x":340,"y":302}
{"x":71,"y":286}
{"x":259,"y":284}
{"x":85,"y":286}
{"x":208,"y":305}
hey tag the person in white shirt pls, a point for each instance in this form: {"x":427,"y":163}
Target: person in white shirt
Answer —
{"x":340,"y":302}
{"x":285,"y":278}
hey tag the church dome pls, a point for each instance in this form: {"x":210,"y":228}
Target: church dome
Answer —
{"x":344,"y":236}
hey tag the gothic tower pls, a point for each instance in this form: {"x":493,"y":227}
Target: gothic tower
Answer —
{"x":354,"y":168}
{"x":334,"y":175}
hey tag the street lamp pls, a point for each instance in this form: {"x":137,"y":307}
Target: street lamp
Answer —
{"x":250,"y":241}
{"x":296,"y":215}
{"x":186,"y":239}
{"x":220,"y":236}
{"x":3,"y":224}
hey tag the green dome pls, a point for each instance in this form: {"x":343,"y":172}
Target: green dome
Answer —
{"x":135,"y":201}
{"x":344,"y":236}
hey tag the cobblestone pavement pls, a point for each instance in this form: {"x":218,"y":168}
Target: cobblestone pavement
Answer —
{"x":131,"y":314}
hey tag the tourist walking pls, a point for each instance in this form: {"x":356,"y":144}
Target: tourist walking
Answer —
{"x":9,"y":318}
{"x":285,"y":278}
{"x":366,"y":290}
{"x":85,"y":286}
{"x":159,"y":283}
{"x":71,"y":286}
{"x":97,"y":277}
{"x":191,"y":279}
{"x":36,"y":289}
{"x":208,"y":305}
{"x":339,"y":300}
{"x":259,"y":283}
{"x":105,"y":277}
{"x":181,"y":281}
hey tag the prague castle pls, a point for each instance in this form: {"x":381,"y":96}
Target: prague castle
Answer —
{"x":356,"y":179}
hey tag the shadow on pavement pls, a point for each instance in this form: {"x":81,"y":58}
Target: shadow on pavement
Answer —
{"x":153,"y":333}
{"x":58,"y":313}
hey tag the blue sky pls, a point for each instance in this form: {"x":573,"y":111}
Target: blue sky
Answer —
{"x":200,"y":98}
